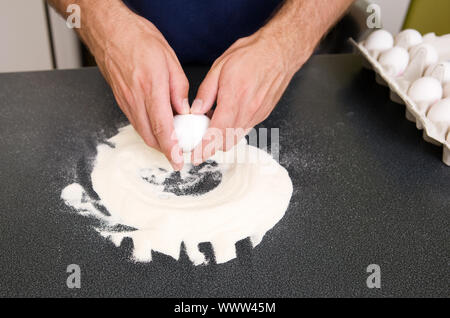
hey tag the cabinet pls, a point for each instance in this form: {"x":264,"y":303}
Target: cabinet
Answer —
{"x":33,"y":37}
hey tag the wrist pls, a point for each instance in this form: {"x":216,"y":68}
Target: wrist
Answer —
{"x":293,"y":51}
{"x":100,"y":21}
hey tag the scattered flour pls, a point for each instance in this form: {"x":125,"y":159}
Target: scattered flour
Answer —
{"x":222,"y":201}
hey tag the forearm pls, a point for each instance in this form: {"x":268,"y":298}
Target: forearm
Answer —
{"x":100,"y":20}
{"x":299,"y":25}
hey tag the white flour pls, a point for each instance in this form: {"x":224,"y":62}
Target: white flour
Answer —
{"x":218,"y":203}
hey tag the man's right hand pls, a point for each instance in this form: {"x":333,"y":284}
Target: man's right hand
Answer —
{"x":143,"y":71}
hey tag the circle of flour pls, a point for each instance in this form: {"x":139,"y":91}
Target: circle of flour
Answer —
{"x":252,"y":194}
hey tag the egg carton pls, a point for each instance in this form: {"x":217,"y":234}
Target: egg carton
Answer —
{"x":416,"y":68}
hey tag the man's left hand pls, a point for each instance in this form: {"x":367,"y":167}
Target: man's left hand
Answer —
{"x":247,"y":81}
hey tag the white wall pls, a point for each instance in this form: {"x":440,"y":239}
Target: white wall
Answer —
{"x":24,"y":37}
{"x":25,"y":41}
{"x":393,"y":13}
{"x":65,"y":42}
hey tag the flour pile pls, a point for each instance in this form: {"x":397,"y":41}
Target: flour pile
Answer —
{"x":235,"y":195}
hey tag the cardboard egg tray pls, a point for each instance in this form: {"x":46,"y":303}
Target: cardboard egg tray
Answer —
{"x":417,"y":67}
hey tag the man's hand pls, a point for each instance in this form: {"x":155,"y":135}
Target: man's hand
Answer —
{"x":142,"y":70}
{"x":249,"y":78}
{"x":247,"y":81}
{"x":146,"y":79}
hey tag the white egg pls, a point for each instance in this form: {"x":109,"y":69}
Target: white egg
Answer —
{"x":408,"y":38}
{"x":394,"y":61}
{"x":431,"y":55}
{"x":189,"y":130}
{"x":425,"y":90}
{"x":439,"y":114}
{"x":379,"y":40}
{"x":446,"y":90}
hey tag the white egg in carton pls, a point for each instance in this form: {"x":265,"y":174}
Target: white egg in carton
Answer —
{"x":417,"y":70}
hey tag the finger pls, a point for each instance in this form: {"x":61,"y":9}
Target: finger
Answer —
{"x":136,"y":114}
{"x":179,"y":88}
{"x":142,"y":126}
{"x":218,"y":135}
{"x":160,"y":116}
{"x":207,"y":92}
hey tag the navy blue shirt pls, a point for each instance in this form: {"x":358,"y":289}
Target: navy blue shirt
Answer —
{"x":201,"y":30}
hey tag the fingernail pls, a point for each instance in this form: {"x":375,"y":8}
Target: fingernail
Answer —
{"x":197,"y":106}
{"x":185,"y":107}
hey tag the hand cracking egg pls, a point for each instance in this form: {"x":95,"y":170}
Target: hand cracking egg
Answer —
{"x":189,"y":130}
{"x":394,"y":60}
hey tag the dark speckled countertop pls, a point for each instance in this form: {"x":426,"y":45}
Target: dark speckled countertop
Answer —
{"x":367,"y":189}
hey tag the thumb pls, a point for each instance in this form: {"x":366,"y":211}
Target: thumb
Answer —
{"x":207,"y":92}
